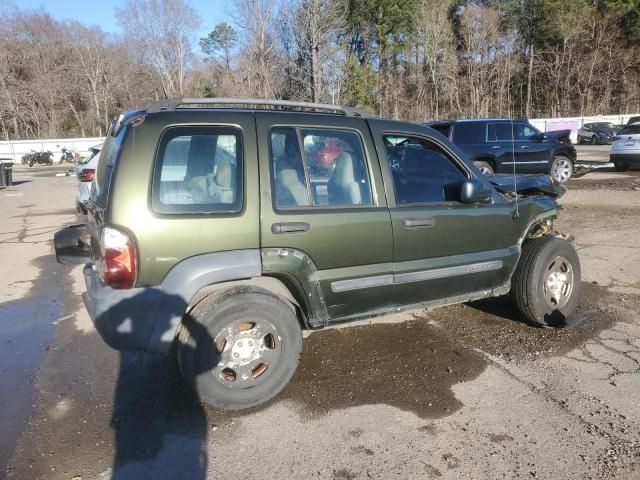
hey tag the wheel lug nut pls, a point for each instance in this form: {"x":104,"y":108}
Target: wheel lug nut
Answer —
{"x":239,"y":344}
{"x":235,"y":355}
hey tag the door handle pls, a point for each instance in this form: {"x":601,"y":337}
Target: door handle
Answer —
{"x":496,"y":147}
{"x":290,"y":227}
{"x":418,"y":222}
{"x":524,"y":147}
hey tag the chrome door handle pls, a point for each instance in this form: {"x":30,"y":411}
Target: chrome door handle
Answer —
{"x":418,"y":222}
{"x":524,"y":147}
{"x":289,"y":227}
{"x":496,"y":147}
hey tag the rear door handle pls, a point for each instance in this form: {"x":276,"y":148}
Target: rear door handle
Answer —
{"x":524,"y":147}
{"x":290,"y":227}
{"x":418,"y":222}
{"x":496,"y":147}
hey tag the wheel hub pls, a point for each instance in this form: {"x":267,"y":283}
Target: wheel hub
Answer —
{"x":245,"y":350}
{"x":558,"y":284}
{"x":246,"y":353}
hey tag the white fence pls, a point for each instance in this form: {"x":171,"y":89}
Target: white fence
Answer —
{"x":575,"y":123}
{"x":16,"y":149}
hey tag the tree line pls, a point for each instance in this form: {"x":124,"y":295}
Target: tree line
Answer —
{"x":411,"y":59}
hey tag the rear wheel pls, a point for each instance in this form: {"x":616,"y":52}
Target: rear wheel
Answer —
{"x":485,"y":167}
{"x":561,"y":169}
{"x":239,"y":348}
{"x":546,"y":284}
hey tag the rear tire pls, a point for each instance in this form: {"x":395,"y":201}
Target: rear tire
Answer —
{"x":546,"y":284}
{"x":239,"y":348}
{"x":485,"y":167}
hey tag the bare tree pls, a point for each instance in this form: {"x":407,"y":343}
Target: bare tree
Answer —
{"x":161,"y":31}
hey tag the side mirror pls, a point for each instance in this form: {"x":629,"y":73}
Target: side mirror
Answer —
{"x":474,"y":191}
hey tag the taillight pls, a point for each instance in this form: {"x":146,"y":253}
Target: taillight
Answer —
{"x":86,"y":175}
{"x":118,"y":259}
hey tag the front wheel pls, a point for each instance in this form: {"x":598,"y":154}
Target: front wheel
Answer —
{"x":561,"y":169}
{"x":239,"y":348}
{"x":620,"y":166}
{"x":546,"y":284}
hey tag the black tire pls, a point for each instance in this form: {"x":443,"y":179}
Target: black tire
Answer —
{"x":200,"y":361}
{"x":594,"y":140}
{"x":620,"y":166}
{"x":485,"y":167}
{"x":529,"y":284}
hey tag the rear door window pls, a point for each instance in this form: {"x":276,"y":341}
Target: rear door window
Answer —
{"x":198,"y":170}
{"x":317,"y":167}
{"x":444,"y":129}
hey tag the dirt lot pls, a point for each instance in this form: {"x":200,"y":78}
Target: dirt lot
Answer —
{"x":457,"y":392}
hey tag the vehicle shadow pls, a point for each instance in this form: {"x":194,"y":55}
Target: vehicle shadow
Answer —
{"x":160,"y":427}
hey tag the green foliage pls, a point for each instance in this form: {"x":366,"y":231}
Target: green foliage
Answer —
{"x":220,"y":41}
{"x":628,"y":13}
{"x":359,"y":85}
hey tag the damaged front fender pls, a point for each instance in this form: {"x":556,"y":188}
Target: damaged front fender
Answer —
{"x":527,"y":185}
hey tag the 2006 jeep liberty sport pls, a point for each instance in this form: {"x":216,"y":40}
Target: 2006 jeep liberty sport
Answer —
{"x":224,"y":227}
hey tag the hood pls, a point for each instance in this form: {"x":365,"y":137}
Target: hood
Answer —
{"x":528,"y":185}
{"x":559,"y":135}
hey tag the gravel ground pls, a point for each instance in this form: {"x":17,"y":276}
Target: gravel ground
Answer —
{"x":466,"y":391}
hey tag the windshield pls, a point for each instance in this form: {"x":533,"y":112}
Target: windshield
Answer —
{"x":604,"y":125}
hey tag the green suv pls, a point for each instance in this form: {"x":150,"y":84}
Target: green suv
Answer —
{"x":225,"y":227}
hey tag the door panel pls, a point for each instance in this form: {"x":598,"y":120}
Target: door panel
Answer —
{"x":351,"y":246}
{"x":442,"y":248}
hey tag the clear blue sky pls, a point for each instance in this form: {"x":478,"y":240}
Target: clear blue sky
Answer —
{"x":102,"y":12}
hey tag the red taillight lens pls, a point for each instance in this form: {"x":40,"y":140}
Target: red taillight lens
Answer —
{"x":118,"y":259}
{"x":86,"y":175}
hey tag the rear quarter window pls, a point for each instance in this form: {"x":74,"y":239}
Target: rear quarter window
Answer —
{"x":468,"y":133}
{"x":198,"y":170}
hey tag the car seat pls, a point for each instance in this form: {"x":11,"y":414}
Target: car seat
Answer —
{"x":343,"y":189}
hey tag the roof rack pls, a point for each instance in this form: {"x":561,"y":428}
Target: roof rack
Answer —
{"x":173,"y":104}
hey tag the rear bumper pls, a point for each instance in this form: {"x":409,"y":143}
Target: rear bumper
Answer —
{"x":629,"y":159}
{"x":123,"y":318}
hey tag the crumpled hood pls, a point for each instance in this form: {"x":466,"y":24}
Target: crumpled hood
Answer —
{"x":560,"y":135}
{"x":528,"y":184}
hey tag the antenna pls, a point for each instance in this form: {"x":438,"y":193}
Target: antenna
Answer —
{"x":513,"y":162}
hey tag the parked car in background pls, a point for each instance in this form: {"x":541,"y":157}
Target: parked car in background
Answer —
{"x":500,"y":145}
{"x":597,"y":132}
{"x":633,"y":120}
{"x":625,"y":151}
{"x":85,"y":173}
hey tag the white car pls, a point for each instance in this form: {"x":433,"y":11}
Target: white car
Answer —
{"x":85,"y":173}
{"x":625,"y":150}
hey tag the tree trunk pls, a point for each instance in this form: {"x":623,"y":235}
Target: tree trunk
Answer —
{"x":527,"y":112}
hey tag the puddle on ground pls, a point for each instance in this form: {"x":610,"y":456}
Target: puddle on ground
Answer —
{"x":413,"y":365}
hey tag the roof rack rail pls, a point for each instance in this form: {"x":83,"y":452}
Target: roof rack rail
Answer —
{"x":173,"y":104}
